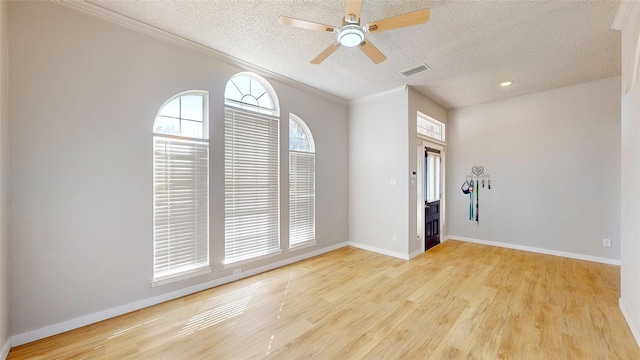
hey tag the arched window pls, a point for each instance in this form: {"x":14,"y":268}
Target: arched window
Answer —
{"x":250,"y":92}
{"x":302,"y":184}
{"x":252,"y":169}
{"x":181,"y":187}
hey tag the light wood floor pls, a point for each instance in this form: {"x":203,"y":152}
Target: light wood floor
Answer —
{"x":457,"y":301}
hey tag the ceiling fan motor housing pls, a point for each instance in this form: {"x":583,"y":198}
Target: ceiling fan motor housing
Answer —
{"x":351,"y":35}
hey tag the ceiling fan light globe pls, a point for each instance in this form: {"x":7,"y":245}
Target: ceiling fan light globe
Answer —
{"x":351,"y":36}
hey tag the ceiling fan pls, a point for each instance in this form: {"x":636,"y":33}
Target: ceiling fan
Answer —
{"x":352,"y":34}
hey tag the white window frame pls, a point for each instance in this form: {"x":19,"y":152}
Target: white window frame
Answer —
{"x":252,"y":212}
{"x":171,"y":231}
{"x":302,"y":194}
{"x":423,"y":131}
{"x":433,"y":185}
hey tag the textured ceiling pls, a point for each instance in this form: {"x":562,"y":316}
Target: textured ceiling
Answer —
{"x":471,"y":46}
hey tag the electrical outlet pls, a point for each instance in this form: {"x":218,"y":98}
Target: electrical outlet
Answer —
{"x":237,"y":271}
{"x":394,"y":238}
{"x":606,"y":242}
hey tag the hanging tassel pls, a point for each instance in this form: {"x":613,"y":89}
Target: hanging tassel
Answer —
{"x":471,"y":200}
{"x":471,"y":206}
{"x":477,"y":203}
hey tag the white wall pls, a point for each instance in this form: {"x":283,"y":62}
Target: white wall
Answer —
{"x":4,"y":183}
{"x":419,"y":102}
{"x":630,"y":207}
{"x":554,"y":163}
{"x":84,"y":93}
{"x":378,"y":144}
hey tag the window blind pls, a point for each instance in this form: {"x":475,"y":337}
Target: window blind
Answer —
{"x":181,"y":206}
{"x":252,"y":217}
{"x":302,"y":197}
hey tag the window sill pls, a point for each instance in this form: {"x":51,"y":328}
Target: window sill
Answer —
{"x":179,"y":277}
{"x":303,"y":245}
{"x":231,"y":264}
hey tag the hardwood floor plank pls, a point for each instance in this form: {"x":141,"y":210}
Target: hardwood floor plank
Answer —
{"x":368,"y":332}
{"x":456,"y":301}
{"x":434,"y":327}
{"x":470,"y":319}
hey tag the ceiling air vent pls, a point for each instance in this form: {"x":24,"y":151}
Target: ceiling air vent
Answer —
{"x":415,"y":70}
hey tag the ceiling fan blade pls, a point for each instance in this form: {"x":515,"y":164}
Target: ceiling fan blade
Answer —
{"x":325,"y":54}
{"x":352,"y":7}
{"x":372,"y":52}
{"x":306,"y":24}
{"x":408,"y":19}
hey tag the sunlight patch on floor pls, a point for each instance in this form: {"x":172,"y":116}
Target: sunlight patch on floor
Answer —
{"x":219,"y":309}
{"x":284,"y":296}
{"x":131,"y":328}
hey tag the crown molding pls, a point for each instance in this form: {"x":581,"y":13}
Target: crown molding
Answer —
{"x":625,"y":8}
{"x":392,"y":91}
{"x":88,"y":8}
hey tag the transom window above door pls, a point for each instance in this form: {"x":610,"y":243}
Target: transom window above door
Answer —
{"x":430,"y":127}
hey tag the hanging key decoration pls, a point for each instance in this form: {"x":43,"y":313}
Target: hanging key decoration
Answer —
{"x":477,"y":170}
{"x":472,"y":185}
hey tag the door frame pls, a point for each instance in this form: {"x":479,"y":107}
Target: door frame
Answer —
{"x":442,"y":147}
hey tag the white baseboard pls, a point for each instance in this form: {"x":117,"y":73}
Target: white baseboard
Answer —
{"x":391,"y":253}
{"x":538,"y":250}
{"x":379,"y":251}
{"x":5,"y":349}
{"x":627,"y":317}
{"x":51,"y":330}
{"x":416,"y":253}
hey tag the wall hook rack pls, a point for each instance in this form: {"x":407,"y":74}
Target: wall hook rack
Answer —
{"x":473,"y":183}
{"x":477,"y":174}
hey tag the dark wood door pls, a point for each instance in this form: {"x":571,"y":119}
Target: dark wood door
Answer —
{"x":431,"y":224}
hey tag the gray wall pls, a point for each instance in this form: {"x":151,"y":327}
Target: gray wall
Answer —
{"x":84,"y":94}
{"x":630,"y":213}
{"x":378,"y":144}
{"x":554,"y":161}
{"x":4,"y":183}
{"x":383,"y":146}
{"x":419,"y":102}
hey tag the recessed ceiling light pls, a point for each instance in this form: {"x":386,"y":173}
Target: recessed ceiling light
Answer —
{"x":506,"y":83}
